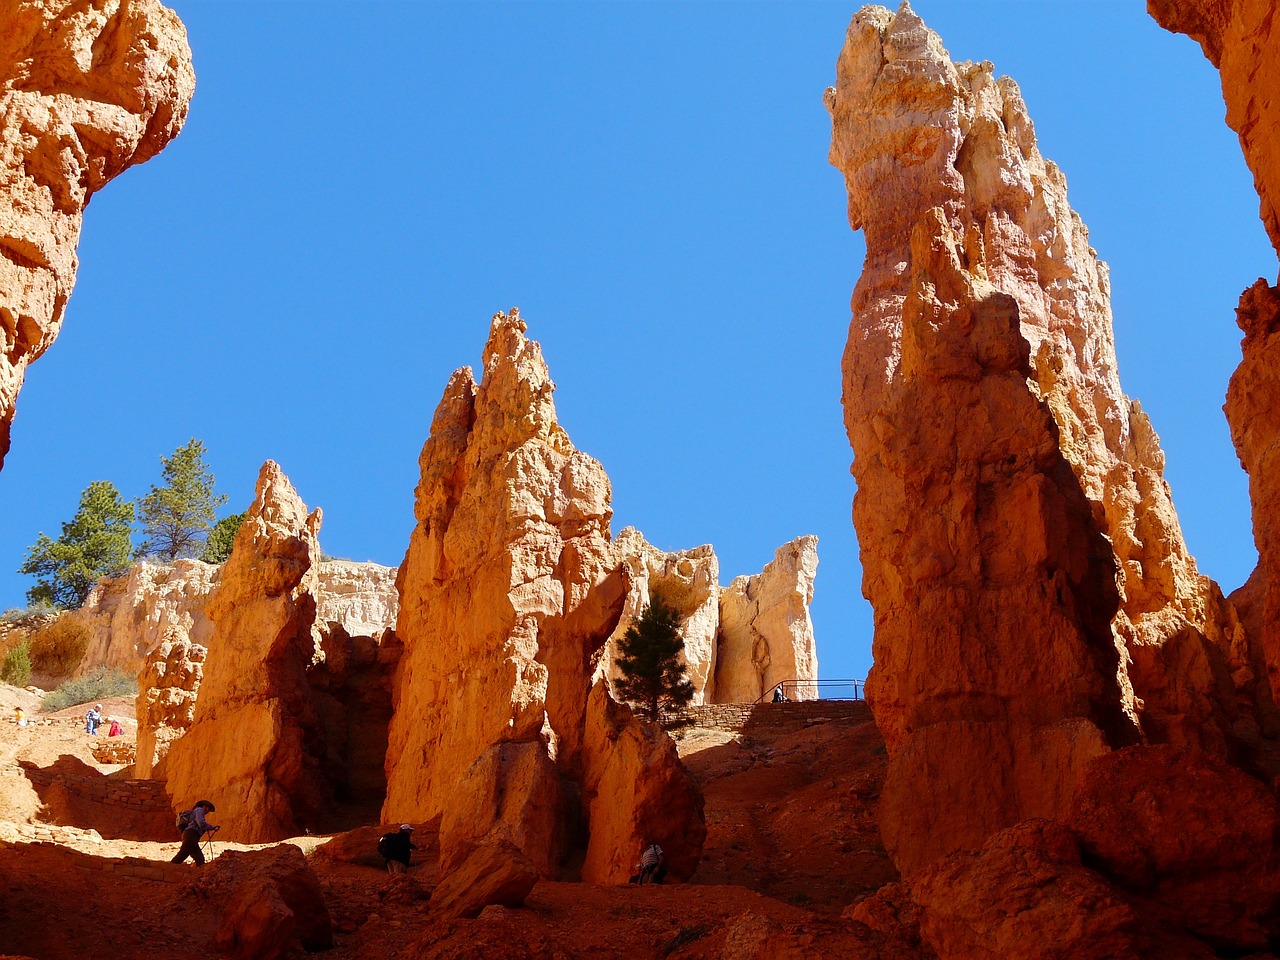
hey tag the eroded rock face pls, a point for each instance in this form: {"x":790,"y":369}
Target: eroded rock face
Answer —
{"x":166,"y":706}
{"x":256,"y":746}
{"x":689,"y":582}
{"x":1242,"y":39}
{"x":128,"y":617}
{"x":509,"y":590}
{"x":766,"y":633}
{"x":1019,"y":544}
{"x":637,"y":792}
{"x":1027,"y":895}
{"x":360,"y":597}
{"x":86,"y":91}
{"x":1183,"y":826}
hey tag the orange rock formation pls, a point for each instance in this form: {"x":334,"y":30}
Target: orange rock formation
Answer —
{"x":87,"y":90}
{"x":167,"y":690}
{"x":1242,"y":39}
{"x":1035,"y":602}
{"x":256,"y":745}
{"x":508,"y":591}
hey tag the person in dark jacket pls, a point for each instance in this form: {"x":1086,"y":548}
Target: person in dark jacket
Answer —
{"x":395,"y":849}
{"x":196,"y":828}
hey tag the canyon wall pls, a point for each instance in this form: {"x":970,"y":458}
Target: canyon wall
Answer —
{"x":128,"y":616}
{"x":1035,"y":604}
{"x":86,"y":91}
{"x":509,"y":590}
{"x":1242,"y":39}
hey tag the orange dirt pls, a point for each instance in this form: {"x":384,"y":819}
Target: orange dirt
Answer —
{"x":791,"y":842}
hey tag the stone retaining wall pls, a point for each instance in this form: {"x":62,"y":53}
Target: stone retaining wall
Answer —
{"x":739,"y":717}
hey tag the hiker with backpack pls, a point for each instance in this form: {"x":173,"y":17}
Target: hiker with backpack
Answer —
{"x":653,"y":864}
{"x":394,"y":848}
{"x":92,"y":719}
{"x":193,"y":825}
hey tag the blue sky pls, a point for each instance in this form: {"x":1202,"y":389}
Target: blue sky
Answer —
{"x":361,"y":186}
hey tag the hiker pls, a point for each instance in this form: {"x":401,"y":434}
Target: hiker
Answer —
{"x":395,"y":847}
{"x":115,"y":729}
{"x":19,"y":717}
{"x":653,"y":864}
{"x":778,"y":695}
{"x":93,"y":719}
{"x":194,"y":826}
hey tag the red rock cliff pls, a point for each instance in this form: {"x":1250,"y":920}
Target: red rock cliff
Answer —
{"x":1242,"y":39}
{"x":87,"y":90}
{"x":1033,"y":595}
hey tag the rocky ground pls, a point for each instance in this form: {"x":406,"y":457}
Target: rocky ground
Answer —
{"x":791,"y":843}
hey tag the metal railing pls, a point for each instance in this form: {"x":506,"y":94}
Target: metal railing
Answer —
{"x":817,"y":690}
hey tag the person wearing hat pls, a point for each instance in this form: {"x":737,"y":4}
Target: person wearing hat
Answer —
{"x":394,"y":848}
{"x":195,"y":827}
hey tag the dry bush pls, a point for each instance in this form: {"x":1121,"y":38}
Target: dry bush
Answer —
{"x":58,"y":647}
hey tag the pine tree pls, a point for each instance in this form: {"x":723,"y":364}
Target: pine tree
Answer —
{"x":95,"y":544}
{"x":176,"y":518}
{"x":221,"y":538}
{"x":651,"y":660}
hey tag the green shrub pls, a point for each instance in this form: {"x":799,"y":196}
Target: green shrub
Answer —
{"x":90,"y":688}
{"x":16,"y":668}
{"x":18,"y":614}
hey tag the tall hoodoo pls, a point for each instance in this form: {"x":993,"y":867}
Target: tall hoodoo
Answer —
{"x":256,"y":747}
{"x":86,"y":91}
{"x":1242,"y":39}
{"x":1019,"y":544}
{"x":508,"y":592}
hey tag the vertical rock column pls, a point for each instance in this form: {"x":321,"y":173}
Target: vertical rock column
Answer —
{"x":1242,"y":39}
{"x":87,"y":90}
{"x":996,"y":671}
{"x":508,"y":592}
{"x":256,"y":747}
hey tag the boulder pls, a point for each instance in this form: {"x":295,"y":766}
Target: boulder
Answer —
{"x":256,"y":747}
{"x":495,"y":872}
{"x":636,"y":792}
{"x":166,"y":703}
{"x":1024,"y":896}
{"x":1198,"y":834}
{"x":511,"y":792}
{"x":766,"y":633}
{"x":275,"y":906}
{"x":86,"y":91}
{"x":1019,"y":542}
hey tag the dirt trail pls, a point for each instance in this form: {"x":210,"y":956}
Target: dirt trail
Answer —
{"x":790,"y":844}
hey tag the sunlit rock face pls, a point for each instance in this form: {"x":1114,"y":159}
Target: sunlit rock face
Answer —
{"x":688,"y":581}
{"x":256,"y":747}
{"x":87,"y":90}
{"x":166,"y":707}
{"x":129,"y":616}
{"x":766,"y":634}
{"x":1019,"y":544}
{"x":740,"y":641}
{"x":1242,"y":39}
{"x":508,"y":592}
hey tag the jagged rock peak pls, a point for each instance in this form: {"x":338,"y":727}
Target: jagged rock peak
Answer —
{"x":86,"y":91}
